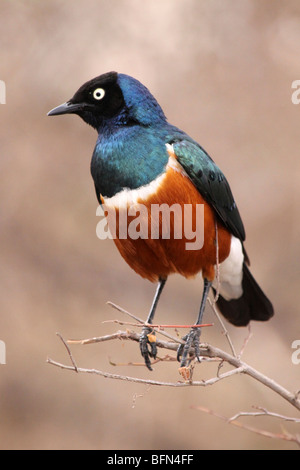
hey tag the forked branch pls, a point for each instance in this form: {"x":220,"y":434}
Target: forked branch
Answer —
{"x":209,"y":353}
{"x":206,"y":351}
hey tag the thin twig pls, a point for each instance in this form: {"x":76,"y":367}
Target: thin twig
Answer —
{"x":69,"y":352}
{"x":166,"y":358}
{"x":123,"y":335}
{"x":120,"y":309}
{"x":217,"y":293}
{"x":217,"y":264}
{"x":159,"y":327}
{"x":225,"y":331}
{"x":246,"y":341}
{"x":163,"y":333}
{"x":286,"y":436}
{"x":263,"y":412}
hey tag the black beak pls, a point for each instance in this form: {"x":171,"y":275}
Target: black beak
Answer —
{"x":66,"y":108}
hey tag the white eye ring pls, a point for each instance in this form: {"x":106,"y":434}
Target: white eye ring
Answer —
{"x":98,"y":94}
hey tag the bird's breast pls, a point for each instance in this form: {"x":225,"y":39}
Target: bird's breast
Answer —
{"x":127,"y":158}
{"x":127,"y":197}
{"x":166,"y":226}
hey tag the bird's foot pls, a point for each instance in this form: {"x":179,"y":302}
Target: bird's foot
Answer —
{"x":148,"y":346}
{"x":192,"y":340}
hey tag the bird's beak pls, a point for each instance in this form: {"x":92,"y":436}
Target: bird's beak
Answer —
{"x":66,"y":108}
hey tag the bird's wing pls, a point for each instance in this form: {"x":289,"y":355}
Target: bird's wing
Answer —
{"x":210,"y":182}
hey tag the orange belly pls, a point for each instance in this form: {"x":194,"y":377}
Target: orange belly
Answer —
{"x":157,"y":258}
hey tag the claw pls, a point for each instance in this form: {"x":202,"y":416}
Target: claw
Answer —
{"x":192,"y":339}
{"x":148,"y":346}
{"x":180,"y":348}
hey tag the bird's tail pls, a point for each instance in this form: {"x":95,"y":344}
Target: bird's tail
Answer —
{"x":252,"y":305}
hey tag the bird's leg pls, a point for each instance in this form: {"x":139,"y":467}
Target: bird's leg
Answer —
{"x":193,"y":337}
{"x":147,"y":344}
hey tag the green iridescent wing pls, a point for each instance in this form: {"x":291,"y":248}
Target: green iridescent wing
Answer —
{"x":211,"y":184}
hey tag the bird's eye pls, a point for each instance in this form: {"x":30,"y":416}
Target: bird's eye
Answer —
{"x":99,"y":93}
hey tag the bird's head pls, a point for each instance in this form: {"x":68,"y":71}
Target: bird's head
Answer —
{"x":113,"y":97}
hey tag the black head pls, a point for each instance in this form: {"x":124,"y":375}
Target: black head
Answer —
{"x":96,"y":100}
{"x":113,"y":96}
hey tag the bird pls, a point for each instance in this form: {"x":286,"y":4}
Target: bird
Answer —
{"x":141,"y":158}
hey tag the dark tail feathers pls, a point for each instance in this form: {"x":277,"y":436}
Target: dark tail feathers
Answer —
{"x":253,"y":305}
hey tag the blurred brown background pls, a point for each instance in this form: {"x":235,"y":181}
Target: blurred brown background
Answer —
{"x":222,"y":70}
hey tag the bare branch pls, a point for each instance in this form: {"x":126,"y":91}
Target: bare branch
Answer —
{"x":283,"y":436}
{"x":202,"y":383}
{"x":208,"y":353}
{"x":123,"y":335}
{"x":263,"y":412}
{"x":159,"y":327}
{"x":206,"y":350}
{"x":268,"y":382}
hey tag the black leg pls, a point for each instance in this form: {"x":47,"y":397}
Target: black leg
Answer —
{"x":144,"y":339}
{"x":193,"y":337}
